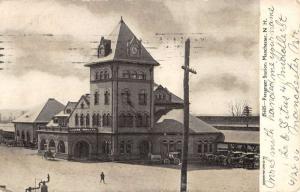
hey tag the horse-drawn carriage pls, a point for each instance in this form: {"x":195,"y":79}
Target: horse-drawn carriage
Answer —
{"x":49,"y":155}
{"x":251,"y":160}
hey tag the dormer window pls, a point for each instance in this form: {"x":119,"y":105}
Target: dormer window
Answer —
{"x":104,"y":47}
{"x":82,"y":105}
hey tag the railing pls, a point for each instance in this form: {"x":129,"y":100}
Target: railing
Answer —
{"x":69,"y":129}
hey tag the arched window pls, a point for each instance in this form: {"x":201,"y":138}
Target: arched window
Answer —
{"x":42,"y":144}
{"x":98,"y":120}
{"x":28,"y":136}
{"x":104,"y":119}
{"x":106,"y":147}
{"x":61,"y":147}
{"x":128,"y":147}
{"x":94,"y":120}
{"x":106,"y":75}
{"x":141,"y":75}
{"x":81,"y":120}
{"x":179,"y":146}
{"x":133,"y":75}
{"x":106,"y":98}
{"x":125,"y":96}
{"x":129,"y":120}
{"x":52,"y":145}
{"x":122,"y":120}
{"x":101,"y":75}
{"x":97,"y":75}
{"x":142,"y":97}
{"x":125,"y":74}
{"x":199,"y":148}
{"x":76,"y":119}
{"x":87,"y":120}
{"x":23,"y":135}
{"x":108,"y":118}
{"x":122,"y":147}
{"x":139,"y":120}
{"x":146,"y":122}
{"x":96,"y":98}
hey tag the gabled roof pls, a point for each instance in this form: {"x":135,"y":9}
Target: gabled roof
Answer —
{"x":238,"y":136}
{"x":42,"y":113}
{"x":71,"y":105}
{"x":173,"y":122}
{"x":174,"y":98}
{"x":120,"y":37}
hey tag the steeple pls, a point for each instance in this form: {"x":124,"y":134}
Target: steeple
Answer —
{"x":122,"y":46}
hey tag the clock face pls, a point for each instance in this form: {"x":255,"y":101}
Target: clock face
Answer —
{"x":134,"y":50}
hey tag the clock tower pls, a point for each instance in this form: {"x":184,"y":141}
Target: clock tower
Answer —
{"x":121,"y":83}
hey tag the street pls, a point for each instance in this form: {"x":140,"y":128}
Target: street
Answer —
{"x":20,"y":167}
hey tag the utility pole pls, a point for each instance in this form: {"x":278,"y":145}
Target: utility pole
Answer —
{"x":187,"y":70}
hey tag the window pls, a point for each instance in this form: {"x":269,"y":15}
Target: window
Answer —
{"x":129,"y":147}
{"x":210,"y":148}
{"x":68,"y":111}
{"x":97,"y":75}
{"x":205,"y":148}
{"x":81,"y":120}
{"x":106,"y":75}
{"x":104,"y":118}
{"x":18,"y":133}
{"x":82,"y":105}
{"x":125,"y":96}
{"x":129,"y":120}
{"x":76,"y":119}
{"x":108,"y":119}
{"x":146,"y":120}
{"x":106,"y":147}
{"x":199,"y":148}
{"x":94,"y":119}
{"x":139,"y":120}
{"x":87,"y":120}
{"x":106,"y":98}
{"x":96,"y":98}
{"x":101,"y":75}
{"x":122,"y":147}
{"x":122,"y":120}
{"x":98,"y":120}
{"x":55,"y":120}
{"x":171,"y":146}
{"x":142,"y":97}
{"x":141,"y":75}
{"x":133,"y":75}
{"x":125,"y":74}
{"x":179,"y":146}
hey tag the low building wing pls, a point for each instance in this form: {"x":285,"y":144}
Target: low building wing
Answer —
{"x":238,"y":137}
{"x":42,"y":113}
{"x":173,"y":122}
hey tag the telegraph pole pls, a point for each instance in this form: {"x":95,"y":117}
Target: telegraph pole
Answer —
{"x":187,"y":70}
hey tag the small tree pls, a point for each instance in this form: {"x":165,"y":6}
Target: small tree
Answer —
{"x":236,"y":108}
{"x":247,"y":113}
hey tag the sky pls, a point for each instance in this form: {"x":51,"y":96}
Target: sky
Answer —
{"x":44,"y":45}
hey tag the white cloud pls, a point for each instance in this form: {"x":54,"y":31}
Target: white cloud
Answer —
{"x":36,"y":87}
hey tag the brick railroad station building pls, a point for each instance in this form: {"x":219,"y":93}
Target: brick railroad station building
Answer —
{"x":126,"y":115}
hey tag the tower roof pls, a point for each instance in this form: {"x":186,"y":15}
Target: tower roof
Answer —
{"x":124,"y":47}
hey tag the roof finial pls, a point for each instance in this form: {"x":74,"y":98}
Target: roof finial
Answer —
{"x":121,"y":20}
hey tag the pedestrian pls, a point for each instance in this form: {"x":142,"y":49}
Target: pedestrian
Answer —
{"x":102,"y":177}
